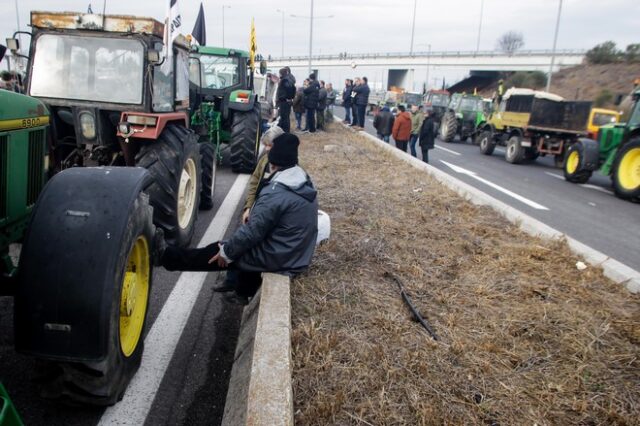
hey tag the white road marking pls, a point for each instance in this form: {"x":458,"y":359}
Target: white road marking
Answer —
{"x":584,"y":185}
{"x":450,"y":151}
{"x":520,"y":198}
{"x":166,"y":330}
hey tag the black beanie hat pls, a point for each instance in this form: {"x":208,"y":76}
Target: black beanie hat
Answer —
{"x":284,"y":152}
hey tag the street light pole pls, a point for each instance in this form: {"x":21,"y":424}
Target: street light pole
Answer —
{"x":282,"y":11}
{"x":413,"y":26}
{"x":555,"y":42}
{"x":224,"y":6}
{"x":428,"y":63}
{"x":480,"y":25}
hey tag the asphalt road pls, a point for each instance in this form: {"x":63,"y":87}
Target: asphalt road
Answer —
{"x":589,"y":213}
{"x":193,"y":388}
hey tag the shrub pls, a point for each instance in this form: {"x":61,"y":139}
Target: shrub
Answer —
{"x":604,"y":53}
{"x":604,"y":98}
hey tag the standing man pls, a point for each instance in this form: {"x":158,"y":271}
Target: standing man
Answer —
{"x":383,"y":122}
{"x":354,"y":109}
{"x":322,"y":104}
{"x":416,"y":124}
{"x":402,"y":129}
{"x":346,"y":100}
{"x":311,"y":93}
{"x":298,"y":107}
{"x":285,"y":94}
{"x":362,"y":100}
{"x":427,"y":136}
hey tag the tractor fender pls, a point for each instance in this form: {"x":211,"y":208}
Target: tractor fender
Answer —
{"x":64,"y":295}
{"x":241,"y":100}
{"x":590,"y":154}
{"x":516,"y":132}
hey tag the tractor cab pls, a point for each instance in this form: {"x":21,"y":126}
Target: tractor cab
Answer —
{"x":463,"y":115}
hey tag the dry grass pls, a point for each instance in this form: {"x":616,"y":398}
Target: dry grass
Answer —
{"x":525,"y":337}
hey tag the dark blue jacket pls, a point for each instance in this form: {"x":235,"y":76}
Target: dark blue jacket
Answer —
{"x":311,"y":95}
{"x":282,"y":229}
{"x":362,"y":94}
{"x":346,"y":96}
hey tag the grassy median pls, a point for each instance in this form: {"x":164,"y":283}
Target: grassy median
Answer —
{"x":525,"y":337}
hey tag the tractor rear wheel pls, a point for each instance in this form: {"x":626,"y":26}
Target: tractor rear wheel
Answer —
{"x":244,"y":143}
{"x":448,"y":127}
{"x":174,"y":163}
{"x":514,"y":153}
{"x":208,"y":165}
{"x":574,"y":165}
{"x":486,"y":142}
{"x":626,"y":171}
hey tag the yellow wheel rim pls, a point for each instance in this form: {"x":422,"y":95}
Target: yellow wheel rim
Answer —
{"x":187,"y":193}
{"x":629,"y":170}
{"x":134,"y":296}
{"x":572,"y":162}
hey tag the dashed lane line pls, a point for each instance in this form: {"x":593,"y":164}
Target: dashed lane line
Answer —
{"x":165,"y":333}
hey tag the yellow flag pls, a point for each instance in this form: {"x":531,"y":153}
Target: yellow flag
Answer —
{"x":253,"y":46}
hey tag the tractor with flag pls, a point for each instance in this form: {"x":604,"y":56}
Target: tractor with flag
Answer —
{"x":225,"y":107}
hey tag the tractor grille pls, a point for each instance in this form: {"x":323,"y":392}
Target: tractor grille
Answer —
{"x":35,"y":179}
{"x":3,"y":176}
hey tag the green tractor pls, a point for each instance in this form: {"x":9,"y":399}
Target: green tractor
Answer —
{"x":615,"y":153}
{"x":226,"y":109}
{"x":462,"y":117}
{"x":76,"y":251}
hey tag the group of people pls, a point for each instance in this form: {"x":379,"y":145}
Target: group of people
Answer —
{"x":311,"y":100}
{"x":355,"y":98}
{"x":407,"y":128}
{"x":11,"y":81}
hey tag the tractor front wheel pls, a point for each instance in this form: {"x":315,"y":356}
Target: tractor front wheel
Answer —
{"x":486,"y":142}
{"x":448,"y":127}
{"x":244,"y":143}
{"x":574,"y":170}
{"x":515,"y":153}
{"x":626,"y":171}
{"x":174,"y":163}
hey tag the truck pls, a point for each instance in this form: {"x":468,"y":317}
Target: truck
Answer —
{"x":462,"y":117}
{"x":226,"y":109}
{"x":118,"y":97}
{"x":615,"y":153}
{"x":531,"y":123}
{"x":77,"y":249}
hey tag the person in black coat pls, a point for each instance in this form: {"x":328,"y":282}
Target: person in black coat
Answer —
{"x":362,"y":100}
{"x":427,"y":136}
{"x":383,"y":123}
{"x":346,"y":100}
{"x":285,"y":94}
{"x":322,"y":105}
{"x":311,"y":95}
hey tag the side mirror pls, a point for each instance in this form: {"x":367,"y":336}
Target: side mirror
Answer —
{"x":13,"y":44}
{"x":263,"y":67}
{"x":153,"y":56}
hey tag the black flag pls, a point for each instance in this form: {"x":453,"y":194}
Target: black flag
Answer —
{"x":199,"y":30}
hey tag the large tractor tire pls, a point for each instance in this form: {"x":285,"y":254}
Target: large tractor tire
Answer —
{"x":626,"y":171}
{"x":244,"y":144}
{"x":486,"y":142}
{"x":85,"y":279}
{"x":174,"y":163}
{"x":515,"y":152}
{"x":208,"y":165}
{"x":574,"y":170}
{"x":448,"y":127}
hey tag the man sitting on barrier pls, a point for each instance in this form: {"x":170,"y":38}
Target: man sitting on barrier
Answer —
{"x":280,"y":235}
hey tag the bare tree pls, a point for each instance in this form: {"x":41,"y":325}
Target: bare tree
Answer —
{"x":510,"y":41}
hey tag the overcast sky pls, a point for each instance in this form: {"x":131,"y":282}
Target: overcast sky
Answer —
{"x":378,"y":25}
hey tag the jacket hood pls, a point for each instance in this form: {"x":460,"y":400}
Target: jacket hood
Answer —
{"x":296,"y":180}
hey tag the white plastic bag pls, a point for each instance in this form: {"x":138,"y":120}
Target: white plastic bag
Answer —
{"x":324,"y":227}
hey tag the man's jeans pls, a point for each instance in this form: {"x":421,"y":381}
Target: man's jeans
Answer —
{"x":311,"y":120}
{"x":383,"y":137}
{"x":298,"y":120}
{"x":347,"y":114}
{"x":189,"y":259}
{"x":362,"y":111}
{"x":285,"y":112}
{"x":414,"y":139}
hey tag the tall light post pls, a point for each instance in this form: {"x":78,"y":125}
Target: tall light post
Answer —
{"x":282,"y":11}
{"x":555,"y":42}
{"x":311,"y":18}
{"x":413,"y":26}
{"x":428,"y":63}
{"x":224,"y":6}
{"x":480,"y":25}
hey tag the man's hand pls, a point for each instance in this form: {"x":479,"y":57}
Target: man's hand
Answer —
{"x":218,"y":258}
{"x":245,"y":216}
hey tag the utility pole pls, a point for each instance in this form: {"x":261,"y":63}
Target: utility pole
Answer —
{"x":311,"y":18}
{"x":413,"y":26}
{"x":480,"y":25}
{"x":555,"y":42}
{"x":282,"y":11}
{"x":224,"y":6}
{"x":15,"y":57}
{"x":428,"y":63}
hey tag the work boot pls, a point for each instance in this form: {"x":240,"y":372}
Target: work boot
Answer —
{"x":224,"y":287}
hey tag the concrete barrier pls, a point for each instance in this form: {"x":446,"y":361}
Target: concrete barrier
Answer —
{"x":613,"y":269}
{"x":260,"y":391}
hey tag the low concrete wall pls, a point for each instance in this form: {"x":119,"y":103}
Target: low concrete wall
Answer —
{"x":260,"y":391}
{"x":614,"y":270}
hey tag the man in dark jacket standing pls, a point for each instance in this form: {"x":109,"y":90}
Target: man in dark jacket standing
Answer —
{"x":285,"y":94}
{"x":362,"y":100}
{"x":383,"y":122}
{"x":322,"y":105}
{"x":280,"y":235}
{"x":311,"y":93}
{"x":346,"y":100}
{"x":427,"y":136}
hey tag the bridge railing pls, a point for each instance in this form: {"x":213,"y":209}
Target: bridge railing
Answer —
{"x":441,"y":54}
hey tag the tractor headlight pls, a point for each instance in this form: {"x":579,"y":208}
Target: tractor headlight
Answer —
{"x":88,"y":125}
{"x":124,"y":128}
